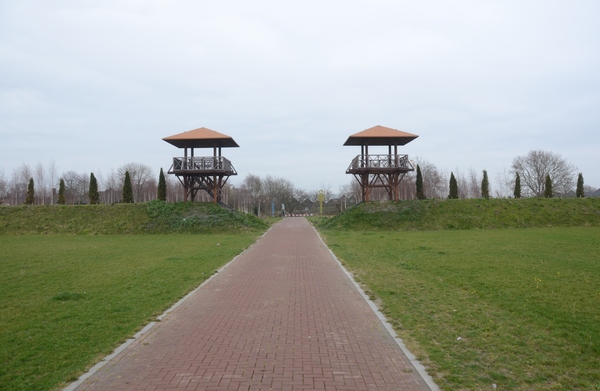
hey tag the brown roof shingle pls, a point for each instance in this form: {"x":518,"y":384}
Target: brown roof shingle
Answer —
{"x":380,"y":135}
{"x":201,"y":138}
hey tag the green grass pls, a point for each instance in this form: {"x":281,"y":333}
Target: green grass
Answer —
{"x":130,"y":219}
{"x":469,"y":214}
{"x":67,"y":301}
{"x":78,"y":280}
{"x":519,"y":308}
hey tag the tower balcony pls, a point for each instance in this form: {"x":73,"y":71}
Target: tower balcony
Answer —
{"x":379,"y":164}
{"x":202,"y":165}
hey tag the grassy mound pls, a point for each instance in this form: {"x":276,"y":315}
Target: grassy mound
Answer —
{"x":151,"y":217}
{"x":469,"y":214}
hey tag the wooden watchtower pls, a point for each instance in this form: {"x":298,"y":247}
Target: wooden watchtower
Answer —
{"x":208,"y":173}
{"x":380,"y":170}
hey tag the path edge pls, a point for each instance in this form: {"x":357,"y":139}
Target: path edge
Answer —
{"x":73,"y":386}
{"x":420,"y":368}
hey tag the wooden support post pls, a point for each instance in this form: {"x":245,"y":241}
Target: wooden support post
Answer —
{"x":186,"y":185}
{"x":362,"y":155}
{"x":215,"y":189}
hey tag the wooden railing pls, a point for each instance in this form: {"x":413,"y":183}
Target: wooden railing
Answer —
{"x":202,"y":163}
{"x":380,"y":161}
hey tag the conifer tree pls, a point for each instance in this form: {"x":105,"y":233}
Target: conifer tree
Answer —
{"x":93,"y":191}
{"x":30,"y":193}
{"x":420,"y":190}
{"x":485,"y":185}
{"x":453,"y":187}
{"x":580,"y":192}
{"x":548,"y":187}
{"x":61,"y":192}
{"x":127,"y":189}
{"x":162,"y":186}
{"x":517,"y":192}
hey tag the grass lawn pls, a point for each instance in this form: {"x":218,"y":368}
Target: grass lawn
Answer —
{"x":519,"y":308}
{"x":67,"y":301}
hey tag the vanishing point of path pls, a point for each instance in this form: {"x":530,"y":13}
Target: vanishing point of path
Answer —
{"x":282,"y":316}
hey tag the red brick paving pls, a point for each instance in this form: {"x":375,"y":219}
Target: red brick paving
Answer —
{"x":282,"y":316}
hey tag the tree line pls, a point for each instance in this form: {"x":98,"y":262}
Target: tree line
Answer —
{"x":537,"y":174}
{"x":42,"y":185}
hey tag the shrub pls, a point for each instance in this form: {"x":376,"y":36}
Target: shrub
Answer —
{"x":548,"y":187}
{"x":162,"y":187}
{"x":30,"y":193}
{"x":93,"y":191}
{"x":127,"y":189}
{"x":453,"y":187}
{"x":485,"y":185}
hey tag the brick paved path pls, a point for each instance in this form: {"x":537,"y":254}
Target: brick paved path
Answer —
{"x":282,"y":316}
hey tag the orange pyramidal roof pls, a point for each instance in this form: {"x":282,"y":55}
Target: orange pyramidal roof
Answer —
{"x":201,"y":138}
{"x":380,"y":135}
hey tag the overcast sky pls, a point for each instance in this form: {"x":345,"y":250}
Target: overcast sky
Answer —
{"x":94,"y":85}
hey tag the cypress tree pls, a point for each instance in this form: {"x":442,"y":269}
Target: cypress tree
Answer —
{"x":162,"y":186}
{"x":548,"y":187}
{"x":485,"y":185}
{"x":93,"y":191}
{"x":30,"y":193}
{"x":420,"y":190}
{"x":580,"y":192}
{"x":127,"y":189}
{"x":453,"y":187}
{"x":517,"y":192}
{"x":61,"y":192}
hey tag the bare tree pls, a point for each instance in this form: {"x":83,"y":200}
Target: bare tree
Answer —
{"x":472,"y":189}
{"x":51,"y":173}
{"x":13,"y":193}
{"x":462,"y":183}
{"x":253,"y":192}
{"x":534,"y":167}
{"x":149,"y":190}
{"x":112,"y":188}
{"x":408,"y":187}
{"x":244,"y":199}
{"x":174,"y":189}
{"x":356,"y":190}
{"x":3,"y":188}
{"x":345,"y":189}
{"x":279,"y":189}
{"x":76,"y":186}
{"x":435,"y":183}
{"x":19,"y":182}
{"x":40,"y":184}
{"x":588,"y":189}
{"x":104,"y":195}
{"x":256,"y":195}
{"x":505,"y":184}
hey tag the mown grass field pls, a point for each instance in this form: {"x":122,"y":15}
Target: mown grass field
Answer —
{"x":519,"y":308}
{"x":68,"y":300}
